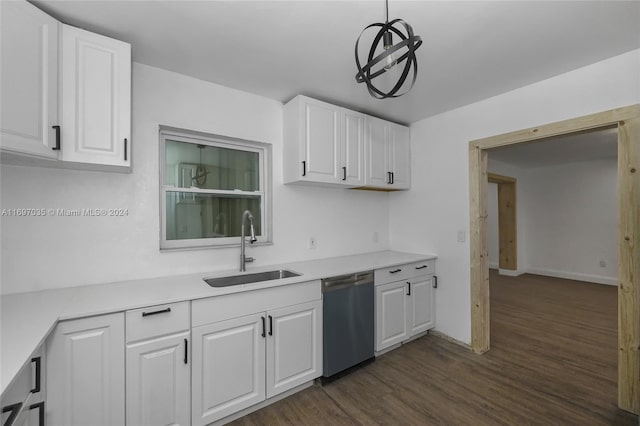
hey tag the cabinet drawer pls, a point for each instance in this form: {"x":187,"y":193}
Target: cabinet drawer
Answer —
{"x":404,"y":272}
{"x":157,"y":320}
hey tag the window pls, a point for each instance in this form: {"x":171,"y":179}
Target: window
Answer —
{"x":206,"y":183}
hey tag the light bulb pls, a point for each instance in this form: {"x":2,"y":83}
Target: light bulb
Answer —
{"x":390,"y":60}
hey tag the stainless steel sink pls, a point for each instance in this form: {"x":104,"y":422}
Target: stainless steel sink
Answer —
{"x":250,"y":278}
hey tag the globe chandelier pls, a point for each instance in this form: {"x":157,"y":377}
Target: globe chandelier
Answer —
{"x":392,"y":57}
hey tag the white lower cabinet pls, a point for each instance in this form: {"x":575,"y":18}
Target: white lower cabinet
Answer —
{"x":422,"y":313}
{"x":228,"y":367}
{"x":242,"y":361}
{"x":392,"y":307}
{"x":405,"y":307}
{"x":158,"y":384}
{"x":86,"y":372}
{"x":294,"y":346}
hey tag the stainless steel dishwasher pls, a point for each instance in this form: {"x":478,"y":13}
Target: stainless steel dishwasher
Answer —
{"x":348,"y":323}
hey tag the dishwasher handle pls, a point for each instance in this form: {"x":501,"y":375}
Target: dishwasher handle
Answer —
{"x":344,"y":281}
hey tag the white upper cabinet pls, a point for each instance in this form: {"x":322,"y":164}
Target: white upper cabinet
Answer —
{"x":328,"y":145}
{"x":323,"y":143}
{"x":96,"y":98}
{"x":400,"y":156}
{"x":387,"y":153}
{"x":377,"y":152}
{"x":66,"y":93}
{"x":351,"y":164}
{"x":29,"y":82}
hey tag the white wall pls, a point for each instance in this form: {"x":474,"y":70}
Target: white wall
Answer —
{"x":566,"y":217}
{"x":52,"y":252}
{"x":571,"y":221}
{"x":428,"y":217}
{"x":493,"y":242}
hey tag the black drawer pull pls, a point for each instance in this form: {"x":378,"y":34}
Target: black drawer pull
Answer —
{"x":435,"y":281}
{"x":344,"y":173}
{"x":395,"y":271}
{"x":422,"y":267}
{"x":125,"y":149}
{"x":57,"y":147}
{"x":304,"y":168}
{"x":14,"y":409}
{"x":264,"y":328}
{"x":270,"y":325}
{"x":408,"y":288}
{"x":37,"y":360}
{"x":161,"y":311}
{"x":40,"y":407}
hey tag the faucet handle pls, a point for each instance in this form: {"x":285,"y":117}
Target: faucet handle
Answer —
{"x":248,"y":259}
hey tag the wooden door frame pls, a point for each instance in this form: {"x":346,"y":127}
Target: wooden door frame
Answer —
{"x":507,"y":223}
{"x":627,"y":121}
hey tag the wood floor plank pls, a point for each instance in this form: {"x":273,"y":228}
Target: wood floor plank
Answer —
{"x":552,"y":361}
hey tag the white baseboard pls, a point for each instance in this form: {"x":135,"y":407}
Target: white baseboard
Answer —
{"x":598,"y":279}
{"x":510,"y":272}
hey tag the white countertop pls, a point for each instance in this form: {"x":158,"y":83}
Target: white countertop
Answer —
{"x":28,"y":318}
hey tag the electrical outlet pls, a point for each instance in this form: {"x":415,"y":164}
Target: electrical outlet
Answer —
{"x":461,"y":236}
{"x":375,"y":236}
{"x":603,"y":264}
{"x":313,"y":243}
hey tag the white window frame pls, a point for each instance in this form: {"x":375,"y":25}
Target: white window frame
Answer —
{"x":198,"y":138}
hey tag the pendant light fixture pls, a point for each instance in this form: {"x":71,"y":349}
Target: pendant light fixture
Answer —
{"x":392,"y":56}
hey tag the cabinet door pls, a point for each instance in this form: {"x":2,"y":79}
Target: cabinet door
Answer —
{"x":29,"y":79}
{"x":228,"y":372}
{"x":85,"y":372}
{"x":391,"y":314}
{"x":400,"y":156}
{"x":350,"y":169}
{"x":96,"y":98}
{"x":320,"y":141}
{"x":376,"y":152}
{"x":422,"y":310}
{"x":158,"y":381}
{"x":294,"y":346}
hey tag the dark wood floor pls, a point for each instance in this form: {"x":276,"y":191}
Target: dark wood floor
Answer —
{"x":553,"y":361}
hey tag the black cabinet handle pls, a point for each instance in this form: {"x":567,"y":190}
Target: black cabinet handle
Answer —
{"x":304,"y":168}
{"x":264,"y":328}
{"x":161,"y":311}
{"x":408,"y":288}
{"x":435,"y":281}
{"x":14,"y":409}
{"x":125,"y":149}
{"x":395,"y":271}
{"x":37,"y":360}
{"x":422,"y":267}
{"x":40,"y":407}
{"x":186,"y":351}
{"x":344,"y":173}
{"x":393,"y":178}
{"x":57,"y":147}
{"x":389,"y":178}
{"x":270,"y":325}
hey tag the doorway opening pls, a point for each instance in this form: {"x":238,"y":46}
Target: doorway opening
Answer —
{"x":627,"y":121}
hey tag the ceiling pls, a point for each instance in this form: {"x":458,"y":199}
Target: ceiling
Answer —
{"x":472,"y":50}
{"x":595,"y":145}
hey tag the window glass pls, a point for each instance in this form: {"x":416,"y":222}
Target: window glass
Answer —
{"x":207,"y":182}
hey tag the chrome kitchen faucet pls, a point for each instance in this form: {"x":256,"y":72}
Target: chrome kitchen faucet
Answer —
{"x":252,"y":239}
